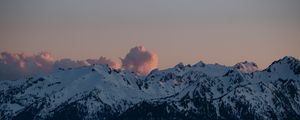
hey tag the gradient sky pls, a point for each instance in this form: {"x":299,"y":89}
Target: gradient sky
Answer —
{"x":214,"y":31}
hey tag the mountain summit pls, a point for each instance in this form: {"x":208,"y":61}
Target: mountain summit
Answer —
{"x":189,"y":92}
{"x":247,"y":67}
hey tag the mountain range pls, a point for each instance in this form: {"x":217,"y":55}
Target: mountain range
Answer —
{"x":183,"y":92}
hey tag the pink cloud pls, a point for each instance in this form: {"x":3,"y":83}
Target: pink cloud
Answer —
{"x":17,"y":65}
{"x":140,"y":60}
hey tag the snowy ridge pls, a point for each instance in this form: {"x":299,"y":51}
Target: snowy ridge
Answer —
{"x":208,"y":91}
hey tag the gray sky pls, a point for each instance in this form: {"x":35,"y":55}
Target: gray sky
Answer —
{"x":223,"y":31}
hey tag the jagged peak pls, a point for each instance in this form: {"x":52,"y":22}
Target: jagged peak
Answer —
{"x":199,"y":64}
{"x":288,"y":61}
{"x":179,"y":65}
{"x":246,"y":67}
{"x":289,"y":58}
{"x":285,"y":60}
{"x":248,"y":62}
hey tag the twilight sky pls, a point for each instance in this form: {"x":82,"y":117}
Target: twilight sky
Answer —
{"x":214,"y":31}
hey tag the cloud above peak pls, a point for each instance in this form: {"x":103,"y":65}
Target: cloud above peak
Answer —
{"x":140,"y":60}
{"x":19,"y":65}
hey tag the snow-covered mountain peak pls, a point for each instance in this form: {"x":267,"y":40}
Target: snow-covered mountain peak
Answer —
{"x":285,"y":65}
{"x":287,"y":60}
{"x":246,"y":67}
{"x":180,"y":66}
{"x":208,"y":91}
{"x":199,"y":64}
